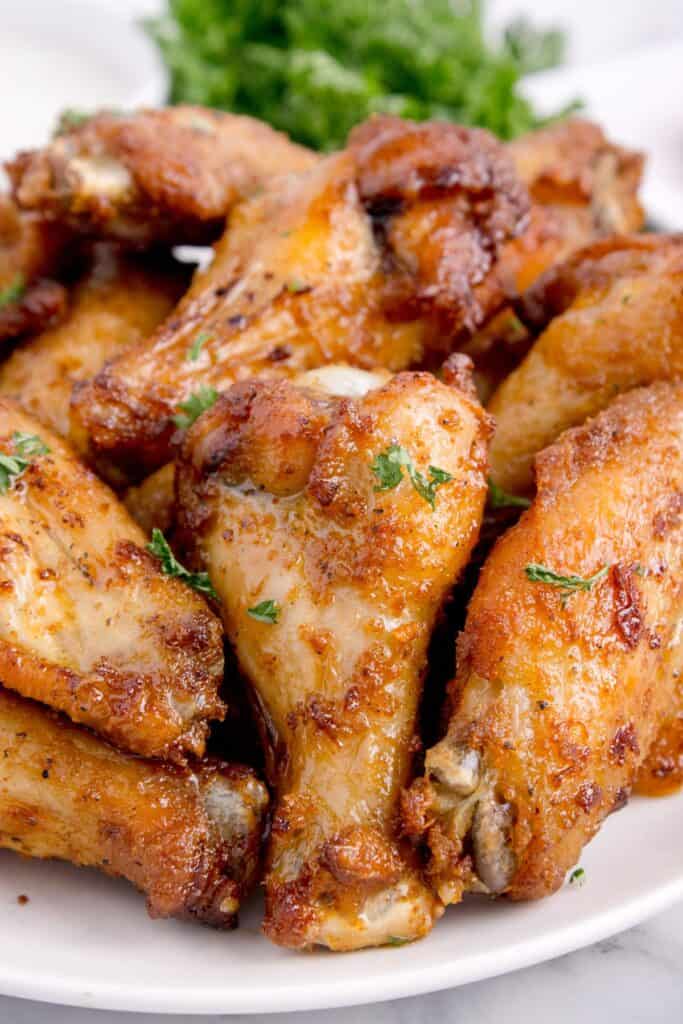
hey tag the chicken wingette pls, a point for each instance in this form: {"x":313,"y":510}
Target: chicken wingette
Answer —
{"x":567,"y":665}
{"x":89,"y":622}
{"x":154,"y":176}
{"x":381,"y":256}
{"x":334,"y":515}
{"x":188,"y":838}
{"x":609,"y":319}
{"x":117,"y":303}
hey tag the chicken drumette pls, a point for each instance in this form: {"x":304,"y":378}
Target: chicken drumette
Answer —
{"x":334,"y":515}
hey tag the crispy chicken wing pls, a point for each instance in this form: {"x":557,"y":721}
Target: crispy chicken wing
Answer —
{"x":563,"y":680}
{"x":609,"y":319}
{"x":89,"y":624}
{"x":188,"y":838}
{"x":167,"y":175}
{"x":380,"y":256}
{"x":29,"y":249}
{"x":118,"y":302}
{"x":583,"y":187}
{"x":333,"y":528}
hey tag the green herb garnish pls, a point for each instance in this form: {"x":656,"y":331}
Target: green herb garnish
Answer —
{"x":265,"y":611}
{"x":577,"y":877}
{"x":296,"y":286}
{"x":195,"y":349}
{"x":170,"y":566}
{"x":498,"y":498}
{"x":568,"y":584}
{"x":396,"y":940}
{"x":388,"y":468}
{"x":13,"y":291}
{"x":28,"y":446}
{"x":194,"y":406}
{"x":315,"y":70}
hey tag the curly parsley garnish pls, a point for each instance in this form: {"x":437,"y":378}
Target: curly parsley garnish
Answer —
{"x":13,"y":291}
{"x":388,"y":467}
{"x":27,"y":446}
{"x":194,"y":406}
{"x":568,"y":585}
{"x":195,"y":349}
{"x":265,"y":611}
{"x":498,"y":498}
{"x":170,"y":566}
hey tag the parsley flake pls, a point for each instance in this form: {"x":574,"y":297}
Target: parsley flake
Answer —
{"x":170,"y":566}
{"x":28,"y":446}
{"x":498,"y":498}
{"x":577,"y":877}
{"x":13,"y":291}
{"x":195,"y":349}
{"x":388,"y":467}
{"x":568,"y":584}
{"x":296,"y":286}
{"x":195,"y":405}
{"x":396,"y":940}
{"x":265,"y":611}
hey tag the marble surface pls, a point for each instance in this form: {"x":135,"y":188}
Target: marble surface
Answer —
{"x":632,"y":978}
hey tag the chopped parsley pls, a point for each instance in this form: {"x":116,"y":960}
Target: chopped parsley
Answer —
{"x":195,"y":349}
{"x":70,"y":119}
{"x":194,"y":406}
{"x":296,"y":286}
{"x":388,"y":468}
{"x":170,"y":566}
{"x":577,"y":877}
{"x":396,"y":940}
{"x":13,"y":291}
{"x":265,"y":611}
{"x":28,"y":446}
{"x":568,"y":585}
{"x":498,"y":498}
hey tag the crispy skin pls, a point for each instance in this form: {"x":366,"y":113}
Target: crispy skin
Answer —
{"x":379,"y":257}
{"x":30,"y":248}
{"x":88,"y":622}
{"x":187,"y":838}
{"x":614,"y":316}
{"x":277,"y":497}
{"x":151,"y":503}
{"x":583,"y":187}
{"x":662,"y":772}
{"x":557,"y":702}
{"x":118,"y":302}
{"x":167,"y":175}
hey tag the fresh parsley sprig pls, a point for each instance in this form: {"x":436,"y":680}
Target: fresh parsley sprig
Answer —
{"x":28,"y":447}
{"x":170,"y":566}
{"x":498,"y":498}
{"x":568,"y":585}
{"x":265,"y":611}
{"x":195,"y":405}
{"x":388,"y":468}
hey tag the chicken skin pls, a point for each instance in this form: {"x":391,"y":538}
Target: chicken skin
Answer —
{"x":609,"y":319}
{"x":89,"y":622}
{"x":189,"y":838}
{"x":567,"y":664}
{"x":583,"y":188}
{"x":118,"y":302}
{"x":29,"y":250}
{"x":154,"y":176}
{"x":379,"y":257}
{"x":334,"y":515}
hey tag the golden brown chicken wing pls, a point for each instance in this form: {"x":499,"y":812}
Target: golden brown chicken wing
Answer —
{"x":567,"y":664}
{"x":167,"y":175}
{"x":188,"y":838}
{"x":116,"y":304}
{"x":89,"y":623}
{"x":380,"y":256}
{"x":333,"y":528}
{"x":609,"y":319}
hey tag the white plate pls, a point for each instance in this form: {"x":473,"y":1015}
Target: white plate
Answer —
{"x":85,"y":940}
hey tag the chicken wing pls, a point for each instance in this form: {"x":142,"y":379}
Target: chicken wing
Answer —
{"x":167,"y":175}
{"x":188,"y":838}
{"x":333,"y":528}
{"x":89,"y":623}
{"x":380,"y":256}
{"x":567,"y":663}
{"x":119,"y":301}
{"x":610,"y":319}
{"x":583,"y":187}
{"x":29,"y":248}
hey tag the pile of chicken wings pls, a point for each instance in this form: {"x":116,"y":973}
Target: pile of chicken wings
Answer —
{"x":350,"y":563}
